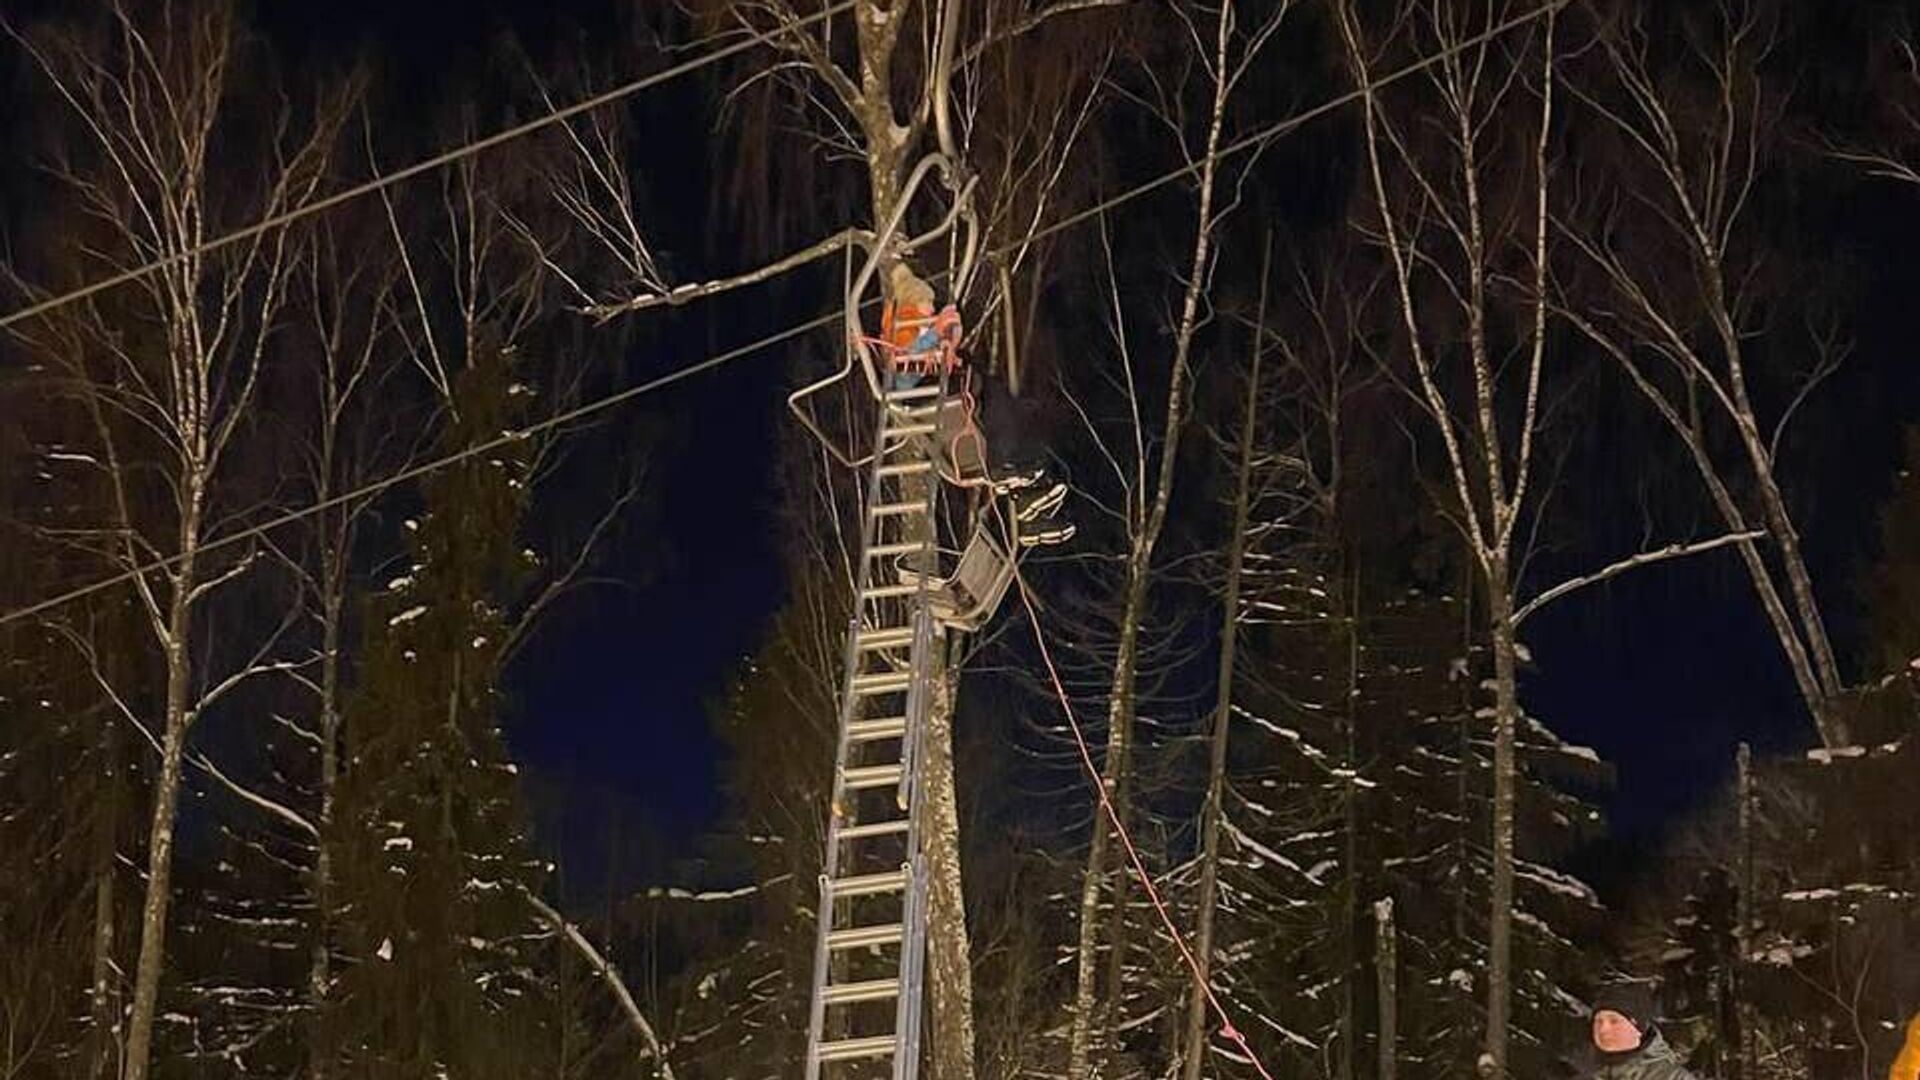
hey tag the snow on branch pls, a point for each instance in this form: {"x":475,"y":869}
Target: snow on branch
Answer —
{"x":682,"y":294}
{"x":607,"y":973}
{"x":1644,"y":558}
{"x":670,"y":893}
{"x":278,"y":810}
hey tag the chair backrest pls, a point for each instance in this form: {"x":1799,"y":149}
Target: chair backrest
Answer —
{"x":980,"y":582}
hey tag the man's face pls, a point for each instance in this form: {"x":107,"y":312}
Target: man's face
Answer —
{"x":1613,"y":1032}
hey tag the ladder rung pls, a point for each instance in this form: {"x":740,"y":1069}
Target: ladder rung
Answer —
{"x":861,"y":936}
{"x":877,"y":828}
{"x":910,"y":429}
{"x":868,"y":884}
{"x":871,"y":990}
{"x":886,"y":727}
{"x":862,"y":777}
{"x":851,"y":1049}
{"x":889,"y":637}
{"x":895,"y":509}
{"x":881,"y":551}
{"x":882,"y":682}
{"x":888,"y":592}
{"x":907,"y":468}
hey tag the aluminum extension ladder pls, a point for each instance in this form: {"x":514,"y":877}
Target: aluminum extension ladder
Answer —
{"x":869,"y":959}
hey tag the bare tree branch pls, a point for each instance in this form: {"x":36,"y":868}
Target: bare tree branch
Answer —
{"x":681,"y":294}
{"x":1644,"y":558}
{"x":607,"y":974}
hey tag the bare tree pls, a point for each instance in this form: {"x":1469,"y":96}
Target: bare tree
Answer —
{"x":1300,"y":687}
{"x":1679,"y":309}
{"x":1230,"y":606}
{"x":60,"y":821}
{"x":1446,"y":236}
{"x":1892,"y":150}
{"x":69,"y":788}
{"x":168,"y":375}
{"x":344,"y":297}
{"x":1386,"y":975}
{"x":437,"y":283}
{"x":1257,"y":465}
{"x":1466,"y":220}
{"x":1193,"y":107}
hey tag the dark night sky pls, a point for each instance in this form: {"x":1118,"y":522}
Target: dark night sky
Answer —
{"x":1661,"y":672}
{"x":612,"y":692}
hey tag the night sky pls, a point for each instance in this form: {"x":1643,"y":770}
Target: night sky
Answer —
{"x":611,"y":694}
{"x":1663,"y":671}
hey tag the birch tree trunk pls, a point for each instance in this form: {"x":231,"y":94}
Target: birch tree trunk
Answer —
{"x":1147,"y":515}
{"x":320,"y":963}
{"x":1386,"y":976}
{"x":1490,"y":489}
{"x":167,"y":366}
{"x":1500,"y":893}
{"x":949,"y":951}
{"x":1746,"y":1065}
{"x":1115,"y":876}
{"x":346,"y":298}
{"x":103,"y":999}
{"x":166,"y":790}
{"x":1195,"y":1043}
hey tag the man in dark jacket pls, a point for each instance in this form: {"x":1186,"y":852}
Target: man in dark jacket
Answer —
{"x":1625,"y":1043}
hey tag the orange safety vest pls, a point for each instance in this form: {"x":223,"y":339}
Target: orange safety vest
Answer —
{"x":900,"y":325}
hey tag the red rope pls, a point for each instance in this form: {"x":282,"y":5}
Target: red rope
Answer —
{"x":1227,"y":1030}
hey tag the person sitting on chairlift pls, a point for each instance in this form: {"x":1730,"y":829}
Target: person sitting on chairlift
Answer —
{"x":978,"y":443}
{"x":918,"y":336}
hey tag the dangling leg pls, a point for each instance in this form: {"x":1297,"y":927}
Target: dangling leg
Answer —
{"x":1034,"y":511}
{"x":1040,"y":501}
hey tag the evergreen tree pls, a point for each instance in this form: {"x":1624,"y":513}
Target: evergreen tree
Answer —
{"x":439,"y":941}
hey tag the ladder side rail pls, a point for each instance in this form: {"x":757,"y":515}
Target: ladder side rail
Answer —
{"x":920,"y":653}
{"x":917,"y":699}
{"x":910,"y":1009}
{"x":817,"y":1008}
{"x":849,"y":711}
{"x":906,"y":1062}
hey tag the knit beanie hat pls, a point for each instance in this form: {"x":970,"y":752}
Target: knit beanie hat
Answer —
{"x":1633,"y":1000}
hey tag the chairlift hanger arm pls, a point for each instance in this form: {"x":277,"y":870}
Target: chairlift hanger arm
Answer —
{"x":935,"y":101}
{"x":877,"y":250}
{"x":950,"y":163}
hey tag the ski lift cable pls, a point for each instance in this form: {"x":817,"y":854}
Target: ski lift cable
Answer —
{"x":378,"y":183}
{"x":628,"y":89}
{"x":709,"y":363}
{"x":375,"y":487}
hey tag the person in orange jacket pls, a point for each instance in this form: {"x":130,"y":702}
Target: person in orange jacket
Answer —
{"x":913,"y":328}
{"x":1907,"y":1065}
{"x":920,"y":340}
